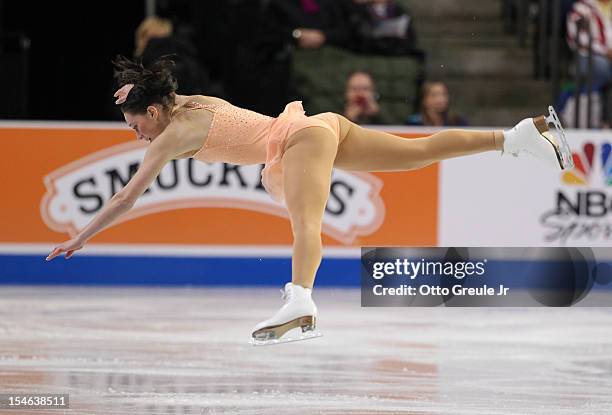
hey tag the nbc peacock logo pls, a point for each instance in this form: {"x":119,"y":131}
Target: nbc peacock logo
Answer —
{"x":582,"y":210}
{"x":586,"y":166}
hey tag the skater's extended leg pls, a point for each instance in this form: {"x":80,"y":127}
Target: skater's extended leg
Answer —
{"x":307,"y":168}
{"x":369,"y":150}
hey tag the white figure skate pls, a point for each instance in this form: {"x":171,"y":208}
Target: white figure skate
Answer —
{"x":299,"y":311}
{"x":551,"y":148}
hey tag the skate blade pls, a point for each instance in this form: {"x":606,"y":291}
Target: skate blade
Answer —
{"x":556,"y":137}
{"x":307,"y":323}
{"x":286,"y":339}
{"x":277,"y":333}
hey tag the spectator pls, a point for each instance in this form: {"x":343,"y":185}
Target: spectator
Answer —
{"x":361,"y":99}
{"x":264,"y":62}
{"x":308,"y":24}
{"x":595,"y":15}
{"x":382,"y":27}
{"x":151,"y":28}
{"x":155,"y":38}
{"x":434,"y":107}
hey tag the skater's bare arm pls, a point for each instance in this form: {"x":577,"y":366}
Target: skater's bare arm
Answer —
{"x":163,"y":149}
{"x":154,"y":161}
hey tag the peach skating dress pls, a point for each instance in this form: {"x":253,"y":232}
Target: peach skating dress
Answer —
{"x":240,"y":136}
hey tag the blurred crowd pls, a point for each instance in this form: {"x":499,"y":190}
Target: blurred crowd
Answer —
{"x":248,"y":58}
{"x":256,"y":54}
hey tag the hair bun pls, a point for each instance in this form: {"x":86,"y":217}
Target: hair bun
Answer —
{"x":151,"y":85}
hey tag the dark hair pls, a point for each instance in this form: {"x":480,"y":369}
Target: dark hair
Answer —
{"x":426,"y":89}
{"x":361,"y":71}
{"x":154,"y":85}
{"x":451,"y":119}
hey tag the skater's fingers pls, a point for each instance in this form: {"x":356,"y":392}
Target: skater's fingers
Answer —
{"x":56,"y":251}
{"x":69,"y":254}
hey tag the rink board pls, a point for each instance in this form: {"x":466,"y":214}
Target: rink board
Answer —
{"x":224,"y":229}
{"x":223,"y":271}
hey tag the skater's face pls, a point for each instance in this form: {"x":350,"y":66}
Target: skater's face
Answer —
{"x":436,"y":98}
{"x":148,"y":125}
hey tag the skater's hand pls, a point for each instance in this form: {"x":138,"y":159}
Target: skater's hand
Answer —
{"x":69,"y":247}
{"x":371,"y":106}
{"x":353,"y":110}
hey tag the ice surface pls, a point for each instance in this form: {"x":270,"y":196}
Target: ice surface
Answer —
{"x":185,"y":351}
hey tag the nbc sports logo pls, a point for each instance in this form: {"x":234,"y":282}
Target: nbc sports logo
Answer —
{"x":582,"y":211}
{"x":593,"y":166}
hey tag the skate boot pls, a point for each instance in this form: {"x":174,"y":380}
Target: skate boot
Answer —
{"x":299,"y":311}
{"x":532,"y":135}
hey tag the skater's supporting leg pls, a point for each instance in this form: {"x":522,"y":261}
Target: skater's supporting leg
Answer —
{"x":368,"y":150}
{"x":307,"y":168}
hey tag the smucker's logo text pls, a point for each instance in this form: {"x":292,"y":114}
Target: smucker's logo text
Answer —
{"x":583,"y":210}
{"x":77,"y":191}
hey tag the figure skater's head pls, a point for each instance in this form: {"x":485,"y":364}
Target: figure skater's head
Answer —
{"x":146,"y":95}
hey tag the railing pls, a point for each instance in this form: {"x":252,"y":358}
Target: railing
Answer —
{"x":515,"y":14}
{"x":150,"y":7}
{"x":547,"y":34}
{"x":549,"y":40}
{"x":583,"y":78}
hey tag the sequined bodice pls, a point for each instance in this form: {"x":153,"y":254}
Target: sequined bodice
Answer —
{"x":236,"y":135}
{"x":239,"y":136}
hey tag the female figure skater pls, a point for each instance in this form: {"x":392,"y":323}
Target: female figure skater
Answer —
{"x":299,"y":153}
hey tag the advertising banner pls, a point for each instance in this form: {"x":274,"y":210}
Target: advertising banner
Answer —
{"x":57,"y":178}
{"x":59,"y":175}
{"x":215,"y":224}
{"x":489,"y":200}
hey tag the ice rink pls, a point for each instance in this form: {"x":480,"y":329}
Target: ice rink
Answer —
{"x":185,"y":351}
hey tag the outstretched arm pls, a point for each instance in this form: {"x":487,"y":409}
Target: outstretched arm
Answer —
{"x":158,"y":154}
